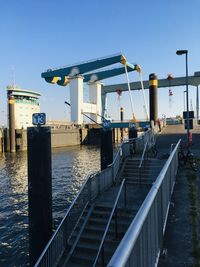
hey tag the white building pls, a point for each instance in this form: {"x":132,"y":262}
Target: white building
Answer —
{"x":25,"y":104}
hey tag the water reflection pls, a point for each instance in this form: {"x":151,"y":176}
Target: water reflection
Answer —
{"x":69,"y":166}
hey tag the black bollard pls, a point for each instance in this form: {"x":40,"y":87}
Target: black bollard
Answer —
{"x":153,"y":97}
{"x":39,"y":190}
{"x":122,"y":119}
{"x":106,"y":148}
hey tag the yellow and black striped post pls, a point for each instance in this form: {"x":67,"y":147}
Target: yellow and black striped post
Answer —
{"x":153,"y":97}
{"x":11,"y":102}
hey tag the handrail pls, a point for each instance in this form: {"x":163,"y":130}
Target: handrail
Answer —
{"x":120,"y":147}
{"x":61,"y":223}
{"x":126,"y":246}
{"x":79,"y":234}
{"x":143,"y":154}
{"x":108,"y":224}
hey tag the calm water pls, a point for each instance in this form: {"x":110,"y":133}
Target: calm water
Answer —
{"x":69,"y":166}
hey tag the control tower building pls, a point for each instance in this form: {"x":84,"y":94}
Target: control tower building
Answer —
{"x":21,"y":105}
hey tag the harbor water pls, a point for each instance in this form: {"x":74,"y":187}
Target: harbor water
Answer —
{"x":69,"y":167}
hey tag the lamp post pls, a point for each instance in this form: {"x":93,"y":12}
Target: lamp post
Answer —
{"x":179,"y":53}
{"x":184,"y":99}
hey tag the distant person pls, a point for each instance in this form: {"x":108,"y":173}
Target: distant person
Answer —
{"x":159,"y":124}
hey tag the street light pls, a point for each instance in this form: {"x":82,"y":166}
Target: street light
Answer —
{"x":179,"y":53}
{"x":184,"y":99}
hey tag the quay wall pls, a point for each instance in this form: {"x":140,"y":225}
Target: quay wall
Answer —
{"x":64,"y":137}
{"x":59,"y":138}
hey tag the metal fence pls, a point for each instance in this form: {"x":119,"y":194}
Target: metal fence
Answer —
{"x":142,"y":242}
{"x":93,"y":186}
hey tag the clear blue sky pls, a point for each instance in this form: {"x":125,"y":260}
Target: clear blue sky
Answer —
{"x":37,"y":35}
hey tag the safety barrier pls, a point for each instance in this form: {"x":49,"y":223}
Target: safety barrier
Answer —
{"x":143,"y":240}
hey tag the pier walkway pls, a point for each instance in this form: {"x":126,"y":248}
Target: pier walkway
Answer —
{"x":181,"y":246}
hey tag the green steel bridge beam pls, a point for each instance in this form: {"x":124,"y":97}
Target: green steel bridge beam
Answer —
{"x":55,"y":75}
{"x":98,"y":76}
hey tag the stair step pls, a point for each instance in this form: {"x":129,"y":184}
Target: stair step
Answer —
{"x":99,"y":229}
{"x":82,"y":259}
{"x":137,"y":182}
{"x":98,"y":221}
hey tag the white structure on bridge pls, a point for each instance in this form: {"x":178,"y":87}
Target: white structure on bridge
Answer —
{"x":78,"y":107}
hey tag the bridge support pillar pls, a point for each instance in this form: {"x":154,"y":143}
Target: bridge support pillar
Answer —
{"x":76,"y":99}
{"x":95,"y":98}
{"x":153,"y":97}
{"x":104,"y":105}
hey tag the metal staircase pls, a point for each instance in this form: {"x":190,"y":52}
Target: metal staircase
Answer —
{"x":88,"y":245}
{"x":95,"y":218}
{"x":149,"y":172}
{"x":106,"y":208}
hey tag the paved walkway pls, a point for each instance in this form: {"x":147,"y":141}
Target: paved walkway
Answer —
{"x":181,"y":245}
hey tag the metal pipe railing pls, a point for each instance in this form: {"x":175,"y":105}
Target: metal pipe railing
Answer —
{"x":101,"y":248}
{"x":94,"y":185}
{"x":142,"y":159}
{"x":53,"y":239}
{"x":151,"y":218}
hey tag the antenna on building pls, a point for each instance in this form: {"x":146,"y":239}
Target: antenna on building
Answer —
{"x":13,"y":76}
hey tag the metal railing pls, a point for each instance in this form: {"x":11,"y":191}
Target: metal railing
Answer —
{"x":142,"y":161}
{"x":143,"y":240}
{"x":114,"y":210}
{"x":94,"y":185}
{"x":149,"y":143}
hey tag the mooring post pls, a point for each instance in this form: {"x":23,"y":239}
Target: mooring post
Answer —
{"x":153,"y":97}
{"x":122,"y":119}
{"x":39,"y":190}
{"x":11,"y":102}
{"x":106,"y":148}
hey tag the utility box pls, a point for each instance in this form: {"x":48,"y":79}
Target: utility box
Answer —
{"x":191,"y":114}
{"x":190,"y":124}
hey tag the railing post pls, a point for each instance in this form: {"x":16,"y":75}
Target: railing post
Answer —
{"x":116,"y":230}
{"x":90,"y":190}
{"x":113,"y":178}
{"x":125,"y":194}
{"x":102,"y":256}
